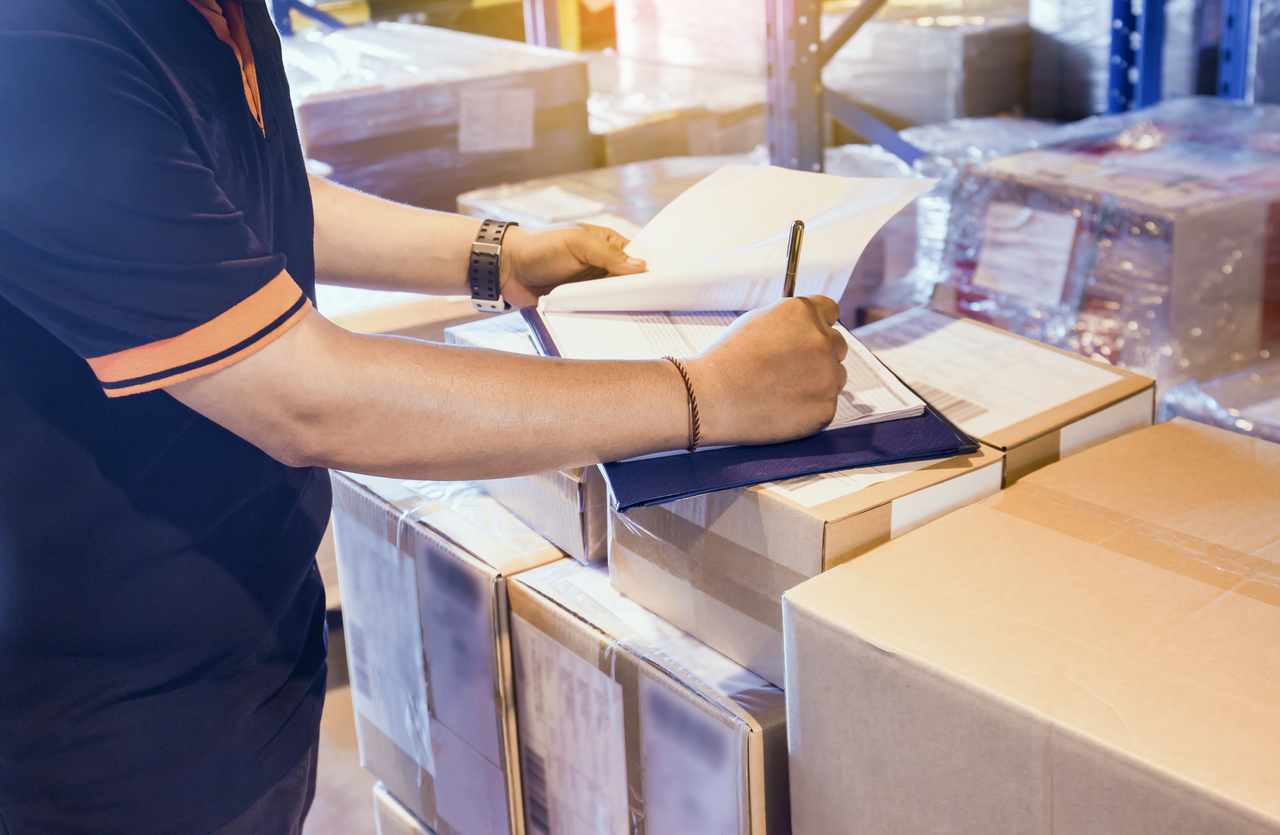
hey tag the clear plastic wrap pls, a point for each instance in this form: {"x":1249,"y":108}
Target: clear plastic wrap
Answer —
{"x":722,"y":34}
{"x":1154,"y":237}
{"x":1247,"y":401}
{"x":918,"y":64}
{"x":420,"y":114}
{"x":642,"y":110}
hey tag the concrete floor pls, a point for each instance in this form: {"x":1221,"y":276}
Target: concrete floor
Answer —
{"x":344,"y":790}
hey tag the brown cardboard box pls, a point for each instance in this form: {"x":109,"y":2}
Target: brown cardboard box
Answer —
{"x":391,"y":818}
{"x":716,"y":565}
{"x":1035,"y":403}
{"x":423,"y":568}
{"x":1093,"y":651}
{"x":628,"y":725}
{"x":567,"y":507}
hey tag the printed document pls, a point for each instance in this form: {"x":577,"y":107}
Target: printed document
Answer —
{"x":722,"y":244}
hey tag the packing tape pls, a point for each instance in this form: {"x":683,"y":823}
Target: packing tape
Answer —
{"x":1225,"y":568}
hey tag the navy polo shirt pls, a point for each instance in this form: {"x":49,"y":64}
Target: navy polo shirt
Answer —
{"x":162,"y":649}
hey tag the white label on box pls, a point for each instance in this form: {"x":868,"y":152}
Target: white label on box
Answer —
{"x":690,"y":766}
{"x":981,"y":379}
{"x":1026,"y":252}
{"x":813,"y":490}
{"x":384,"y":638}
{"x":494,"y":120}
{"x":572,"y":743}
{"x":912,"y":511}
{"x":552,"y":204}
{"x":1266,"y":412}
{"x":1125,"y":416}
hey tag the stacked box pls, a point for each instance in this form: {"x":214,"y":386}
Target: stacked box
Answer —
{"x":640,"y":110}
{"x":567,"y":507}
{"x":420,"y":115}
{"x":1247,"y":401}
{"x":721,"y":34}
{"x":1152,"y":245}
{"x":1035,"y":403}
{"x":392,"y":818}
{"x":916,"y":66}
{"x":628,"y":725}
{"x":1071,"y":54}
{"x":717,"y":565}
{"x":423,"y":568}
{"x":1090,"y":652}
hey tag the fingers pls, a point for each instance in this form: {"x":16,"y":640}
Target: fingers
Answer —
{"x":826,"y":308}
{"x":601,"y":251}
{"x":839,"y":346}
{"x":610,"y":235}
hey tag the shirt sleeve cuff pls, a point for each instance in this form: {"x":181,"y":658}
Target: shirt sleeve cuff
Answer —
{"x":243,"y":330}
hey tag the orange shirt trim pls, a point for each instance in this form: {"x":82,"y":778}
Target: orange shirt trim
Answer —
{"x":227,"y":19}
{"x":243,"y":330}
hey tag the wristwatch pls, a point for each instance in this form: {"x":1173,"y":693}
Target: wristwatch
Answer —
{"x":484,"y":273}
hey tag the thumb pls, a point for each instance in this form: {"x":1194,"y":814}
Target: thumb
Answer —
{"x":598,"y":252}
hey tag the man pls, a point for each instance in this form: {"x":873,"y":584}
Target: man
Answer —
{"x":169,"y":398}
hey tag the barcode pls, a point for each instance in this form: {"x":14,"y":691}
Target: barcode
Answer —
{"x":955,"y":408}
{"x":360,"y":675}
{"x":537,"y":807}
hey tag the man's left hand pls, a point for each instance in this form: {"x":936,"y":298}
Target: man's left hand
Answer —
{"x":534,"y":264}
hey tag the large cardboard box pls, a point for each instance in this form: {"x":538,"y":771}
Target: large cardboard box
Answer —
{"x":1091,"y":652}
{"x":717,"y":565}
{"x":423,"y":568}
{"x":420,"y":115}
{"x":1035,"y":403}
{"x":630,"y":726}
{"x":568,"y":507}
{"x":392,"y":818}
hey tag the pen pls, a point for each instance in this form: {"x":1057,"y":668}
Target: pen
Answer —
{"x":793,"y":258}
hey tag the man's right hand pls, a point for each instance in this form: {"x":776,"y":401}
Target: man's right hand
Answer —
{"x":774,"y":376}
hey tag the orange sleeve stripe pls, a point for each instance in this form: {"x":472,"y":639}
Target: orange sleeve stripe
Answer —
{"x":245,"y":324}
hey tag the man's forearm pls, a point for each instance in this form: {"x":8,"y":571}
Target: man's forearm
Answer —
{"x":402,"y":408}
{"x":365,"y":241}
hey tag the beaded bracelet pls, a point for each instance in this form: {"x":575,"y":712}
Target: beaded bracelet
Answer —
{"x":695,"y":425}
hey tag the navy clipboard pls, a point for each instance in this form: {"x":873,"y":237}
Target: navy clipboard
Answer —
{"x":663,"y":479}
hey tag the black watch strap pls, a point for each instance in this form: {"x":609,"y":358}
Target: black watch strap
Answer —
{"x":484,"y":272}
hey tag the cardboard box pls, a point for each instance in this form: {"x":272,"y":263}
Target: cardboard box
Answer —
{"x":641,"y":110}
{"x":420,"y":115}
{"x":568,"y":507}
{"x":423,"y":568}
{"x":717,"y":565}
{"x":628,"y":725}
{"x":391,"y":818}
{"x":1091,"y":652}
{"x":1035,"y":403}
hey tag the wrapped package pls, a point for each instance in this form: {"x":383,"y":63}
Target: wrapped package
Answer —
{"x":1247,"y":401}
{"x":717,"y":565}
{"x":721,"y":34}
{"x":423,"y":568}
{"x":629,"y":725}
{"x":567,"y":507}
{"x":640,"y":110}
{"x":627,"y":197}
{"x":1090,"y":652}
{"x":392,"y":818}
{"x":915,"y":65}
{"x":1147,"y":240}
{"x":1071,"y":54}
{"x":419,"y":114}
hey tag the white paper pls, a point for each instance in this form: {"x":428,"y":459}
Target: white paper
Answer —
{"x":813,"y":490}
{"x":573,"y":747}
{"x":384,"y":638}
{"x":982,"y":380}
{"x":690,"y":766}
{"x":552,"y":204}
{"x":493,"y":120}
{"x":870,"y":395}
{"x":1026,"y":252}
{"x":721,"y":245}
